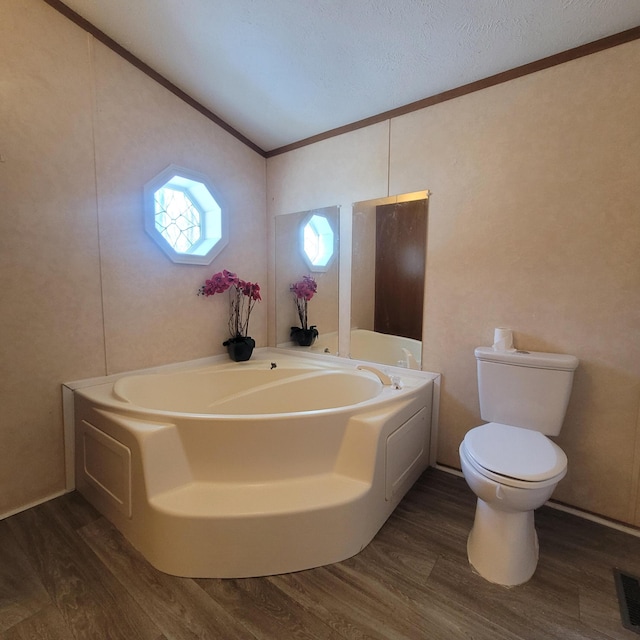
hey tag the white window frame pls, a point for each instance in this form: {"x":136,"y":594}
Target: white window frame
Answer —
{"x":214,"y":235}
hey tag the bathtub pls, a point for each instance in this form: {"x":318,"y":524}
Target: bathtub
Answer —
{"x":372,"y":346}
{"x":225,"y":470}
{"x":385,"y":348}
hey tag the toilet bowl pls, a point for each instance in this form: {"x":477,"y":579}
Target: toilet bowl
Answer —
{"x":512,"y":471}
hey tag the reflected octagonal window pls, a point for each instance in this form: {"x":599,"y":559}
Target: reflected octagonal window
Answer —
{"x":318,"y":242}
{"x":184,"y":217}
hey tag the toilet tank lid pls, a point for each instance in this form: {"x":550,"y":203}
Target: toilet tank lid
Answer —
{"x":535,"y":359}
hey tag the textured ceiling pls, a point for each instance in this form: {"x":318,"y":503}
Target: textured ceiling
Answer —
{"x":279,"y":71}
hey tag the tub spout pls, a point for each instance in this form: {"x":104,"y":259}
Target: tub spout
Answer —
{"x":384,"y":378}
{"x":410,"y":361}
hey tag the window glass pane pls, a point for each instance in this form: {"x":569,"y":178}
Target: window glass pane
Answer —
{"x":318,"y":241}
{"x":177,"y":219}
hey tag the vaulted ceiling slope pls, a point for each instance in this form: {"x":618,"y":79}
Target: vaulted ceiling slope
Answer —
{"x":282,"y":71}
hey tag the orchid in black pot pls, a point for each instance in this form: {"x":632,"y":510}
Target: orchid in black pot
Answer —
{"x":243,"y":296}
{"x":303,"y":291}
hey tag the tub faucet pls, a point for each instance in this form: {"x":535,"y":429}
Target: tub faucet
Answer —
{"x":384,"y":378}
{"x":410,"y":361}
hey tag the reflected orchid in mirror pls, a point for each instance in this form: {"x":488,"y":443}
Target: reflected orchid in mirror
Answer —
{"x":303,"y":291}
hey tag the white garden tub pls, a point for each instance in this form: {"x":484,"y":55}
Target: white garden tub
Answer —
{"x":273,"y":465}
{"x":371,"y":346}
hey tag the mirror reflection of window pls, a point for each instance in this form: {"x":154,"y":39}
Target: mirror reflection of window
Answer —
{"x":317,"y":242}
{"x":292,"y":262}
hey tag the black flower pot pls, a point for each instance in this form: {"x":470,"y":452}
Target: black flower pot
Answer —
{"x":304,"y":337}
{"x":240,"y":348}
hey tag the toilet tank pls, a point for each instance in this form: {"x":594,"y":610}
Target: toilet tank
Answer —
{"x":527,"y":389}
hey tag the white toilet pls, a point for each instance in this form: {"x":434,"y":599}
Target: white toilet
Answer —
{"x":509,"y":463}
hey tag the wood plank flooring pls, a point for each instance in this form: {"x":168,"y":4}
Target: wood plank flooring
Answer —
{"x":66,"y":573}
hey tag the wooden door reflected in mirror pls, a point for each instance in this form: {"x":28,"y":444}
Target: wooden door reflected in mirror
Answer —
{"x":389,"y":239}
{"x":401,"y":230}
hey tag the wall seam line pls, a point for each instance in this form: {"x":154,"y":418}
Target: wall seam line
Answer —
{"x":94,"y":117}
{"x":634,"y":506}
{"x":389,"y":157}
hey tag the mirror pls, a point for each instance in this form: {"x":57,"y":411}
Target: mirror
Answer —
{"x":388,"y":259}
{"x":307,"y":244}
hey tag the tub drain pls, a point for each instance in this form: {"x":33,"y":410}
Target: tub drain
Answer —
{"x":628,"y":588}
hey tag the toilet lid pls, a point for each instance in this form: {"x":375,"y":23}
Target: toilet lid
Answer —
{"x":515,"y":452}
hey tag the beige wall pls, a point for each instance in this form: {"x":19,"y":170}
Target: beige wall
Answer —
{"x":85,"y":291}
{"x":534,"y":223}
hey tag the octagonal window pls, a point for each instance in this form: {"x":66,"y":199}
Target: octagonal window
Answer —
{"x":318,"y":244}
{"x":184,"y":217}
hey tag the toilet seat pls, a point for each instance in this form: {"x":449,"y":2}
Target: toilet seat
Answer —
{"x":514,"y":456}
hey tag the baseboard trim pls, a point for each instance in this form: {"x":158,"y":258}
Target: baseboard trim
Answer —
{"x":37,"y":503}
{"x":612,"y":524}
{"x":586,"y":515}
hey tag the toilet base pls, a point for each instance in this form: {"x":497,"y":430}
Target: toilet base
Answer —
{"x":503,"y":545}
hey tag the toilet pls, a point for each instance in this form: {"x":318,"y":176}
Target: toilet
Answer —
{"x":510,"y":463}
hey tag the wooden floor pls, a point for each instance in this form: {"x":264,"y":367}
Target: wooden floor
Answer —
{"x":66,"y":573}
